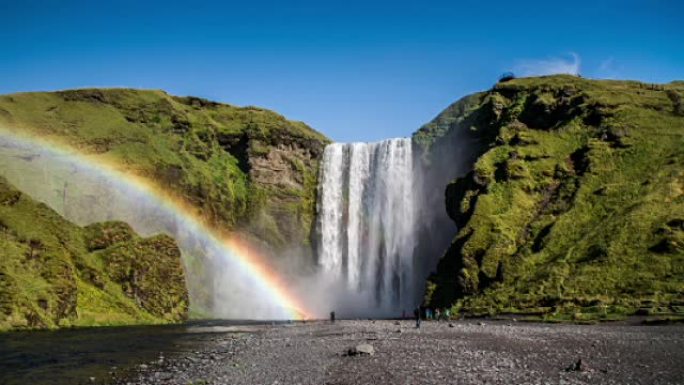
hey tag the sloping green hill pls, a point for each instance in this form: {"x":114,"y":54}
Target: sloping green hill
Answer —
{"x":54,"y":273}
{"x":575,"y":205}
{"x":245,"y":169}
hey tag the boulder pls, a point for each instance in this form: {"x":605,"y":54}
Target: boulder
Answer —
{"x":362,"y":349}
{"x":575,"y":366}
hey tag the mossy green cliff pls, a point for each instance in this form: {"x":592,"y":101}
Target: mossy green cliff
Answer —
{"x":55,"y":274}
{"x":243,"y":169}
{"x":246,"y":169}
{"x":574,"y":207}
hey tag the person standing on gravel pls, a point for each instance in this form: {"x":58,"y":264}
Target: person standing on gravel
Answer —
{"x":416,"y":313}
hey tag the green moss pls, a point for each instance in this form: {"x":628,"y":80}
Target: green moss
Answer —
{"x":569,"y":203}
{"x":56,"y":274}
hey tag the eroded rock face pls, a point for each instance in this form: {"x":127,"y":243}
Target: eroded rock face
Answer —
{"x":282,"y":165}
{"x":287,"y":171}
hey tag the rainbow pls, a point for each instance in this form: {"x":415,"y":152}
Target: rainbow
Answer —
{"x":234,"y":250}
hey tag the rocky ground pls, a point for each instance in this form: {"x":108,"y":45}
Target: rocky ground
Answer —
{"x":464,"y":352}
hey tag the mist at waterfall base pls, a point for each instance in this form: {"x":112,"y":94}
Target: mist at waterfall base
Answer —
{"x":380,"y":229}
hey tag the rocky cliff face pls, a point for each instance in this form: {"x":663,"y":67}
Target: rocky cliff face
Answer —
{"x":54,"y":273}
{"x":286,"y":171}
{"x":574,"y":203}
{"x":245,"y":169}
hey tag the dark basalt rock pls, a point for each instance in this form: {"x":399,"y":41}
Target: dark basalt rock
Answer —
{"x":576,"y":366}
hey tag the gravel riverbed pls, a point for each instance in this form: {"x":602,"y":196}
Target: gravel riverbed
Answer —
{"x":461,"y":352}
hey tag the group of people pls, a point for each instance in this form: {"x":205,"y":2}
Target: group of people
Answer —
{"x":427,"y":313}
{"x":420,"y":313}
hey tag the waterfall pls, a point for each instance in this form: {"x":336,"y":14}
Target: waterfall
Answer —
{"x":367,"y":223}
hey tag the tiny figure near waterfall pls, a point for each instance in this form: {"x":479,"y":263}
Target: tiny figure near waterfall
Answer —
{"x":416,"y":314}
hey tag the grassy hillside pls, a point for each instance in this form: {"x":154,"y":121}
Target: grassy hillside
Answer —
{"x":54,"y":273}
{"x":244,"y":168}
{"x":574,"y":208}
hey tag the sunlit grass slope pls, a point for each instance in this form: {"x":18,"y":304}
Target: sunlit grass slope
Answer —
{"x":243,"y":168}
{"x":575,"y":207}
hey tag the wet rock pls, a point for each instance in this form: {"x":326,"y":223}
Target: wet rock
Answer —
{"x":575,"y":366}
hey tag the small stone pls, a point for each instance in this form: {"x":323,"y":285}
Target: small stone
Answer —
{"x":451,"y":325}
{"x":163,"y":376}
{"x":143,"y":366}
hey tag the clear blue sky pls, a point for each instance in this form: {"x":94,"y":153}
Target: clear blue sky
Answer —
{"x":355,"y":70}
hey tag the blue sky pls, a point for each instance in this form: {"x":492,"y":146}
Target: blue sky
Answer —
{"x":355,"y":70}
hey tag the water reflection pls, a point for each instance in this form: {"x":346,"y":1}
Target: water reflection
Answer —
{"x":69,"y":357}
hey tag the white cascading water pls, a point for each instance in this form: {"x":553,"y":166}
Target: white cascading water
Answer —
{"x":367,"y":223}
